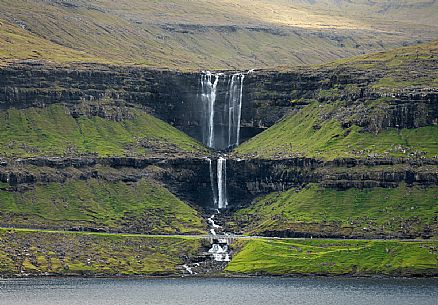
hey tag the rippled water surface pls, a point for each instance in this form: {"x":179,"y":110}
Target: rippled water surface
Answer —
{"x":315,"y":291}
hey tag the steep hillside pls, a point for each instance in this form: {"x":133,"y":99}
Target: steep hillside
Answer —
{"x":370,"y":212}
{"x":224,"y":34}
{"x":18,"y":44}
{"x":99,"y":205}
{"x":366,"y":125}
{"x":377,"y":105}
{"x":308,"y":133}
{"x":103,"y":110}
{"x":64,"y":188}
{"x":95,"y":129}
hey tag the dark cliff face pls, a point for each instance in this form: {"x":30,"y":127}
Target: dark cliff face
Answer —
{"x":189,"y":178}
{"x":267,"y":97}
{"x":174,"y":96}
{"x":169,"y":95}
{"x":248,"y":179}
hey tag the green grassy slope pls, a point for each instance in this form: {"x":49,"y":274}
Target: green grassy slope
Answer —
{"x":335,"y":257}
{"x":142,"y":207}
{"x":17,"y":43}
{"x":307,"y":134}
{"x":51,"y":131}
{"x":353,"y":212}
{"x":38,"y":253}
{"x":228,"y":34}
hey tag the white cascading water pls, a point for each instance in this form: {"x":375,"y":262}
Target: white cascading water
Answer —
{"x":234,"y":95}
{"x":222,"y":183}
{"x":220,"y":253}
{"x":213,"y":225}
{"x":208,"y":97}
{"x":239,"y":116}
{"x":232,"y":107}
{"x":219,"y":250}
{"x":213,"y":188}
{"x":188,"y":269}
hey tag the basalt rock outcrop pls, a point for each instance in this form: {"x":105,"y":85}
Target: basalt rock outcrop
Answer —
{"x":174,"y":96}
{"x":188,"y":178}
{"x":246,"y":179}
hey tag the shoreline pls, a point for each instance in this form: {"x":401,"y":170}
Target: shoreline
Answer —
{"x":218,"y":276}
{"x":40,"y":254}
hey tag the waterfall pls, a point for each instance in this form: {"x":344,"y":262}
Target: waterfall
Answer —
{"x":188,"y":269}
{"x":208,"y":98}
{"x":228,"y":103}
{"x":218,"y":182}
{"x":221,"y":98}
{"x":219,"y":249}
{"x":235,"y":94}
{"x":222,"y":183}
{"x":220,"y":252}
{"x":213,"y":188}
{"x":239,"y":112}
{"x":227,"y":97}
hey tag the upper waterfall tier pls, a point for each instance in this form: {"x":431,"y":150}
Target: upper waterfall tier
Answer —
{"x":221,"y":98}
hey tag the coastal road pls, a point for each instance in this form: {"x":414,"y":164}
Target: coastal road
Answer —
{"x":201,"y":236}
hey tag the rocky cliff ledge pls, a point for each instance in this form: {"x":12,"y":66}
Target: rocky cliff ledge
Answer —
{"x":267,"y":96}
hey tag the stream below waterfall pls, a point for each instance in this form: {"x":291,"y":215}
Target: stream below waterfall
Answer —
{"x":219,"y":248}
{"x":217,"y":256}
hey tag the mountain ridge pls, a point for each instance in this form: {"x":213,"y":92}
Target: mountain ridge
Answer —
{"x":243,"y":35}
